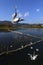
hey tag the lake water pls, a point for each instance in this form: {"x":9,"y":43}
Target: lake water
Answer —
{"x":12,"y":40}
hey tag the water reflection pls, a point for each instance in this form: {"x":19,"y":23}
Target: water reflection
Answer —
{"x":33,"y":31}
{"x":12,"y":40}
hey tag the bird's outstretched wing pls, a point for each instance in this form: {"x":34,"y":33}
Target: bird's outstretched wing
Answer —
{"x":20,"y":19}
{"x":15,"y":13}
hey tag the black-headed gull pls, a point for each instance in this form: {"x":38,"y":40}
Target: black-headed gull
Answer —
{"x":33,"y":56}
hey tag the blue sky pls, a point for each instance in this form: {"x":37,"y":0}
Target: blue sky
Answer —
{"x":30,"y":10}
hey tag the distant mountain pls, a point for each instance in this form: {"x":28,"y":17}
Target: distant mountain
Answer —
{"x":2,"y":22}
{"x":21,"y":25}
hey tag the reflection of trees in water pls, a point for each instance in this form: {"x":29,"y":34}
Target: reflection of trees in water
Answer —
{"x":17,"y":26}
{"x":38,"y":29}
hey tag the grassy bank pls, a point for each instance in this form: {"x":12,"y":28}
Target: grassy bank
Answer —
{"x":8,"y":28}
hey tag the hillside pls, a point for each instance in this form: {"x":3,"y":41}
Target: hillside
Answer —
{"x":7,"y":25}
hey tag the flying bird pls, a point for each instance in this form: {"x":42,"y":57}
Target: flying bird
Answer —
{"x":15,"y":18}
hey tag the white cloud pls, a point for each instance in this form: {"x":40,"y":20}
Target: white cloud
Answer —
{"x":37,"y":10}
{"x":26,"y":14}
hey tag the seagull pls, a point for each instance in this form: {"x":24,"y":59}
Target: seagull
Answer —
{"x":33,"y":57}
{"x":15,"y":18}
{"x":31,"y":47}
{"x":37,"y":49}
